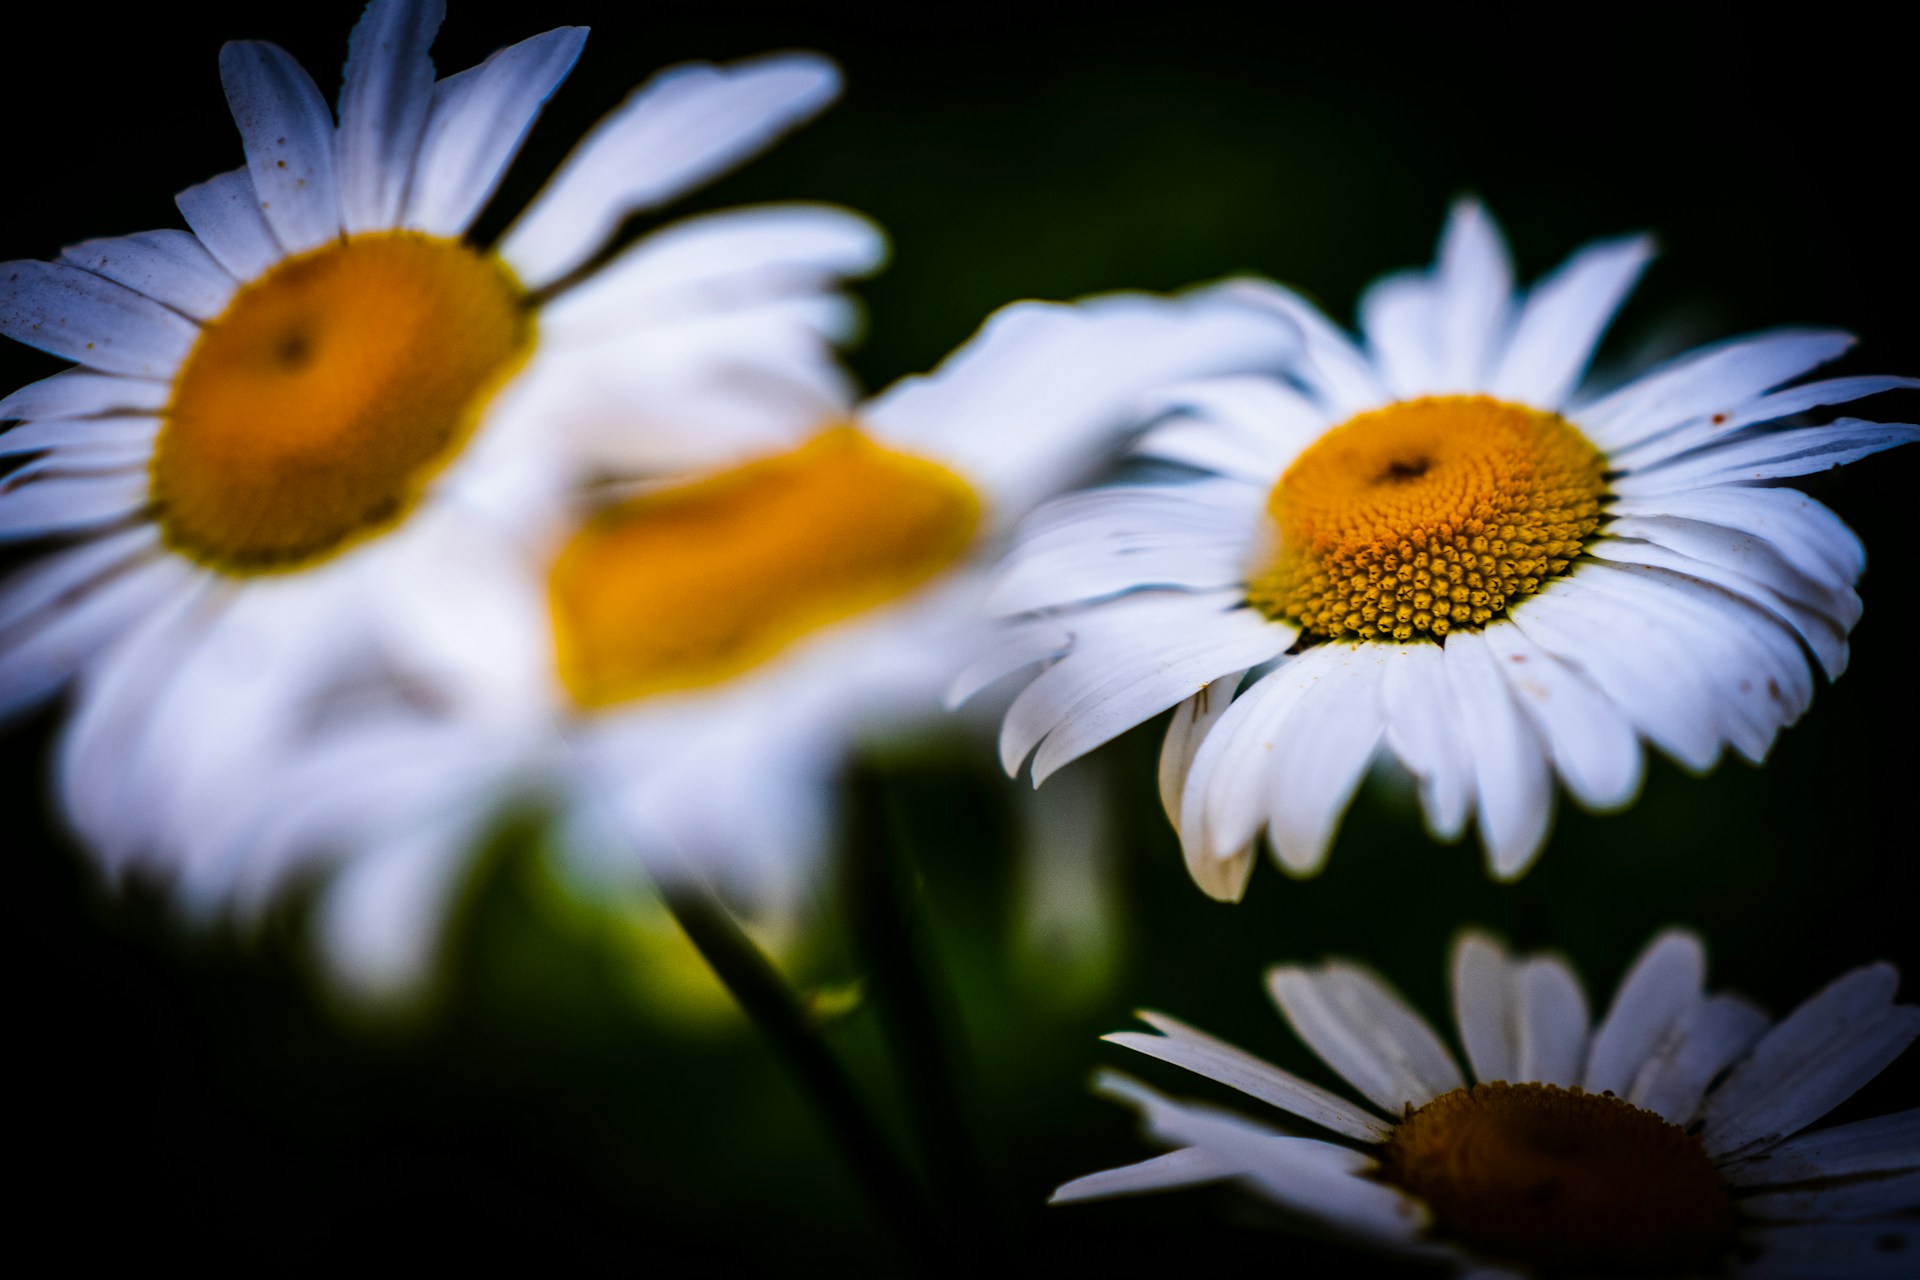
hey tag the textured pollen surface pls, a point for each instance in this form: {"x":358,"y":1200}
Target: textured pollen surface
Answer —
{"x":1427,"y":515}
{"x":1557,"y":1178}
{"x":692,"y":585}
{"x":315,"y":408}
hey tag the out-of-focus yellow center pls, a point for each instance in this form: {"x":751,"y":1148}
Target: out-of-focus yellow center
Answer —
{"x":692,"y":585}
{"x":1557,"y":1178}
{"x":1427,"y":515}
{"x":313,"y":411}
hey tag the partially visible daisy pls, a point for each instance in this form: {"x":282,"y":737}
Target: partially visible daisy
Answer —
{"x":290,"y":423}
{"x":682,"y":670}
{"x":1437,"y":548}
{"x":1670,"y":1139}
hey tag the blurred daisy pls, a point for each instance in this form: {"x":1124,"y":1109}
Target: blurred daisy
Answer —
{"x":682,"y":673}
{"x":289,"y":421}
{"x":1436,"y":548}
{"x":1668,"y":1139}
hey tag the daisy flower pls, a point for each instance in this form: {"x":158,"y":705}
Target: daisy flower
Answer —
{"x":1433,"y":546}
{"x":1670,"y":1138}
{"x":681,"y":670}
{"x":289,"y":420}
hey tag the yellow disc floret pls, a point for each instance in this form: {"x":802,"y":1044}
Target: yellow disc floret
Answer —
{"x":694,"y":584}
{"x":1557,"y":1178}
{"x":1427,"y":515}
{"x":314,"y":409}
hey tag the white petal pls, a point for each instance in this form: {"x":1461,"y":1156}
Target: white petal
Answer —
{"x":68,"y":573}
{"x":1474,"y":294}
{"x":118,"y":438}
{"x":1854,"y":1250}
{"x":1551,"y":1013}
{"x":1482,"y":984}
{"x":1017,"y":645}
{"x":1706,"y":1040}
{"x":288,"y":133}
{"x":171,"y":267}
{"x":1813,"y":1060}
{"x":719,"y":262}
{"x":81,"y":393}
{"x":1423,"y":730}
{"x":1884,"y":1144}
{"x":1325,"y":1182}
{"x":1563,"y":320}
{"x":475,"y":126}
{"x":1333,"y":368}
{"x":1771,"y":455}
{"x":1400,"y":316}
{"x":225,"y":213}
{"x":1366,"y":1032}
{"x":1189,"y":1047}
{"x":1767,"y":408}
{"x":1187,"y":1167}
{"x":1593,"y":743}
{"x":382,"y":918}
{"x":42,"y":658}
{"x":58,"y":503}
{"x":1134,"y":660}
{"x":1808,"y":535}
{"x":1716,"y":379}
{"x":1870,"y":1197}
{"x":1660,"y":989}
{"x":1250,"y":425}
{"x":1321,"y":752}
{"x":384,"y":98}
{"x":1511,"y":779}
{"x":1224,"y":803}
{"x":1223,"y":879}
{"x":1754,"y":558}
{"x":684,"y":126}
{"x":95,"y":322}
{"x":1029,"y":402}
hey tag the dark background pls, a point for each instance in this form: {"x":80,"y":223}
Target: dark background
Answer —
{"x":197,"y":1097}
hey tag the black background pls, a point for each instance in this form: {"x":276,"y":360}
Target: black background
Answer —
{"x":194,"y":1098}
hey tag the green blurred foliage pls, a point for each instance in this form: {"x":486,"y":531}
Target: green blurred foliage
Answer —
{"x":197,"y":1095}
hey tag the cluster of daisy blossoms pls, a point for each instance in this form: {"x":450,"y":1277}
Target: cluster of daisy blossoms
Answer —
{"x":1671,"y":1138}
{"x":357,"y":531}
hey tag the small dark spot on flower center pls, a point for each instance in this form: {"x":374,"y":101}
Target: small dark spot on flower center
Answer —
{"x":1401,"y":470}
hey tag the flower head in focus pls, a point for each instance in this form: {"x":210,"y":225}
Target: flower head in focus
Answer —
{"x":1435,"y":547}
{"x":292,"y":423}
{"x":682,"y":668}
{"x":1672,"y":1138}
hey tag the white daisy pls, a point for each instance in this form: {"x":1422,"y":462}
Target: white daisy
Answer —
{"x":1668,"y":1139}
{"x":1435,"y":549}
{"x":683,"y":673}
{"x":291,"y":423}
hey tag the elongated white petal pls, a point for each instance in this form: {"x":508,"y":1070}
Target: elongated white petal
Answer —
{"x":1361,"y":1028}
{"x":1224,"y":879}
{"x":476,"y":123}
{"x":1767,"y":408}
{"x":80,"y":316}
{"x":683,"y":126}
{"x":82,"y":393}
{"x":1822,"y":1251}
{"x":1474,"y":280}
{"x":41,"y":658}
{"x":1661,"y":988}
{"x":1482,"y":988}
{"x":1717,"y":379}
{"x":1017,"y":645}
{"x":1550,"y":1014}
{"x":288,"y":134}
{"x":1884,"y":1144}
{"x":1399,"y":314}
{"x":381,"y":920}
{"x":1423,"y":730}
{"x":1224,"y":803}
{"x":384,"y":98}
{"x":1248,"y":425}
{"x":225,"y":214}
{"x":171,"y":267}
{"x":1706,"y":1040}
{"x":1771,"y":455}
{"x":1333,"y":368}
{"x":1753,"y":558}
{"x":1563,"y":320}
{"x":1870,"y":1197}
{"x":128,"y":437}
{"x":54,"y":579}
{"x":1811,"y":1062}
{"x":1593,"y":744}
{"x":1803,"y":532}
{"x":1187,"y":1167}
{"x":59,"y":503}
{"x":1511,"y":780}
{"x":1321,"y":752}
{"x":1189,"y":1047}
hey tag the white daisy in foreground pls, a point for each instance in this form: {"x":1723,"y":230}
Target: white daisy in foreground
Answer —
{"x":1436,"y":549}
{"x":288,"y":422}
{"x":681,"y":675}
{"x":1667,"y":1140}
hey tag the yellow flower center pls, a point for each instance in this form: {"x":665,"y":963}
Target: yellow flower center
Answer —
{"x":1558,"y":1178}
{"x":1427,"y":515}
{"x":692,"y":585}
{"x":313,"y":411}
